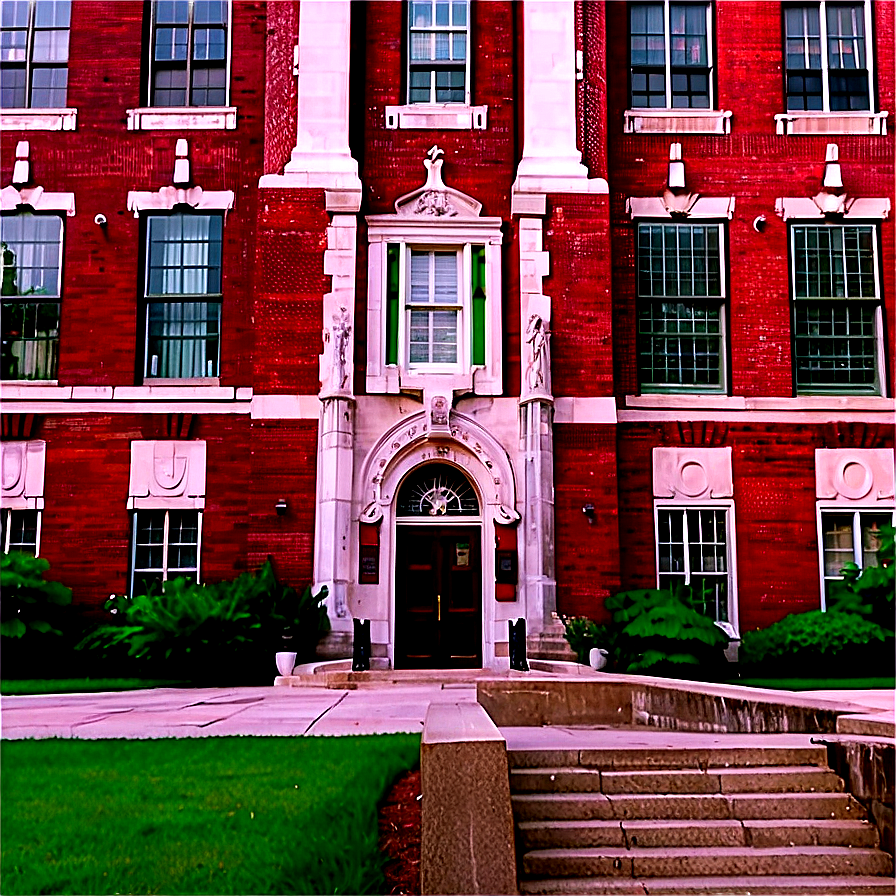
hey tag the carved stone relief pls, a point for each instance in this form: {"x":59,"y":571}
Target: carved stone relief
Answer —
{"x":167,"y":474}
{"x":854,"y":475}
{"x":23,"y":465}
{"x":692,"y":474}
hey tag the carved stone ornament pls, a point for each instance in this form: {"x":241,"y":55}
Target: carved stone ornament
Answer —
{"x":538,"y":358}
{"x":854,"y":475}
{"x":23,"y":465}
{"x":167,"y":475}
{"x":434,"y":199}
{"x":692,"y":474}
{"x":336,"y":359}
{"x":439,"y":408}
{"x":19,"y":194}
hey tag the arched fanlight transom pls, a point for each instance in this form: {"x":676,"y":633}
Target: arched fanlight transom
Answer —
{"x":435,"y":491}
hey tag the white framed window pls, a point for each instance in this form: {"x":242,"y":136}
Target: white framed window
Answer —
{"x":695,"y":548}
{"x":671,"y":55}
{"x":837,"y":326}
{"x":165,"y":546}
{"x":20,"y":530}
{"x":849,"y":535}
{"x":438,"y":51}
{"x":681,"y":307}
{"x":31,"y":268}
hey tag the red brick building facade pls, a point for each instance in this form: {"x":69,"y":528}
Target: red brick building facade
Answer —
{"x":474,"y":311}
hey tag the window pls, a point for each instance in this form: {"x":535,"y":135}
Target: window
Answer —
{"x":693,"y":550}
{"x":681,"y":314}
{"x":850,"y":536}
{"x":21,"y":530}
{"x":166,"y":545}
{"x":188,"y":62}
{"x":31,"y":247}
{"x":670,"y":49}
{"x":34,"y":53}
{"x":435,"y":303}
{"x":438,"y":51}
{"x":183,"y":295}
{"x":836,"y":309}
{"x":825,"y":54}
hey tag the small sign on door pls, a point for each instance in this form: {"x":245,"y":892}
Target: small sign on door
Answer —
{"x":462,"y":551}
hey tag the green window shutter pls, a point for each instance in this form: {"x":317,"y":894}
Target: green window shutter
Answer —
{"x":478,"y":294}
{"x":393,"y":301}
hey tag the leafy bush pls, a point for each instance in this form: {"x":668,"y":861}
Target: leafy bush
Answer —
{"x":583,"y":634}
{"x":660,"y":632}
{"x":30,"y":604}
{"x":869,"y":593}
{"x":216,"y":631}
{"x":819,"y":643}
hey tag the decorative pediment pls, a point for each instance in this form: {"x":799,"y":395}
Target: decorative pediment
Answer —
{"x":854,"y":475}
{"x":434,"y":199}
{"x":692,"y":474}
{"x":167,"y":474}
{"x":23,"y":465}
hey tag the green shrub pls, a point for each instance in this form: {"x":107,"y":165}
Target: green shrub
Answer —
{"x":30,"y":604}
{"x":583,"y":634}
{"x":818,"y":643}
{"x":869,"y":593}
{"x":660,"y":632}
{"x":224,"y":631}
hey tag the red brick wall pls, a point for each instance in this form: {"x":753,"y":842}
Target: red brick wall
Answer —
{"x":280,"y":84}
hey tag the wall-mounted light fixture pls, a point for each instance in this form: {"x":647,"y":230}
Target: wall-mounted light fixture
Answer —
{"x":100,"y":220}
{"x":281,"y":506}
{"x":588,"y":510}
{"x":759,"y":223}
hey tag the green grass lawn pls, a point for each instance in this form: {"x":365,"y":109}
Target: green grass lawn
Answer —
{"x":218,"y":815}
{"x":13,"y":687}
{"x":816,"y":684}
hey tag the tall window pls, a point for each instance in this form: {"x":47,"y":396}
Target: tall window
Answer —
{"x":183,"y":295}
{"x":836,"y":308}
{"x":166,"y":545}
{"x":31,"y":247}
{"x":825,"y":56}
{"x":681,"y":314}
{"x":21,"y":530}
{"x":693,"y":549}
{"x":188,"y":61}
{"x":438,"y":51}
{"x":34,"y":53}
{"x":670,"y":54}
{"x":850,"y":536}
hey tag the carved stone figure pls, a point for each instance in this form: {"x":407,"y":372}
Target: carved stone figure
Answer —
{"x":341,"y":334}
{"x":538,"y":365}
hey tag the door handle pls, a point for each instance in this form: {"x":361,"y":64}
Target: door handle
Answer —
{"x":438,"y":607}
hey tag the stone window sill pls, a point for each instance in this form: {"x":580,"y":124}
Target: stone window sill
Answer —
{"x":796,"y":123}
{"x":449,"y":117}
{"x":194,"y":118}
{"x":39,"y":120}
{"x":677,"y":121}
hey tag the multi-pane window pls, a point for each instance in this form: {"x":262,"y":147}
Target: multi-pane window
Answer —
{"x":850,"y":536}
{"x":693,"y":550}
{"x":31,"y":248}
{"x":836,"y":308}
{"x":189,"y":53}
{"x":438,"y":51}
{"x":21,"y":530}
{"x":435,"y":305}
{"x":166,"y":545}
{"x":825,"y":55}
{"x":183,"y":295}
{"x":670,"y":55}
{"x":34,"y":53}
{"x":681,"y":313}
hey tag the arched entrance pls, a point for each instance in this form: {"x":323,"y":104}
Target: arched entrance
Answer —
{"x":438,"y":571}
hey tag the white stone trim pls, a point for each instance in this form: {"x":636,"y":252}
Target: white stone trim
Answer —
{"x":688,"y":475}
{"x":167,"y":475}
{"x":715,"y":207}
{"x":39,"y":120}
{"x":853,"y":476}
{"x":812,"y":209}
{"x":739,"y":402}
{"x":182,"y":118}
{"x":437,"y":117}
{"x":285,"y":407}
{"x":37,"y":198}
{"x":676,"y":121}
{"x":167,"y":198}
{"x":829,"y":123}
{"x":584,"y":410}
{"x":23,"y":467}
{"x":754,"y":416}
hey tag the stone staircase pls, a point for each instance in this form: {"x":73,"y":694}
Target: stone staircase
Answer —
{"x":739,"y":820}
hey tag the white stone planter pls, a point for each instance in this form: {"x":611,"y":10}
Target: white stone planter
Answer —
{"x":598,"y":658}
{"x":286,"y":662}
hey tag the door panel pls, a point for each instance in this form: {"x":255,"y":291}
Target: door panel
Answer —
{"x":438,"y":601}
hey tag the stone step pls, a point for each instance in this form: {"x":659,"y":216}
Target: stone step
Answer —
{"x":609,"y":861}
{"x":677,"y":758}
{"x":767,"y":779}
{"x":683,"y":832}
{"x":549,"y":806}
{"x":754,"y":885}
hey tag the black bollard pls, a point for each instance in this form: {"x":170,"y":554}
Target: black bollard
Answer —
{"x":518,"y":645}
{"x":361,"y":646}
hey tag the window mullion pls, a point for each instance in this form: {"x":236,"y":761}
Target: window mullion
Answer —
{"x":165,"y":531}
{"x":29,"y":50}
{"x":667,"y":43}
{"x":825,"y":71}
{"x":188,"y":99}
{"x":858,"y":555}
{"x":686,"y":546}
{"x":8,"y":520}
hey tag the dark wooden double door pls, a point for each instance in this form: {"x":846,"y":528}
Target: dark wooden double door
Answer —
{"x":438,"y":597}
